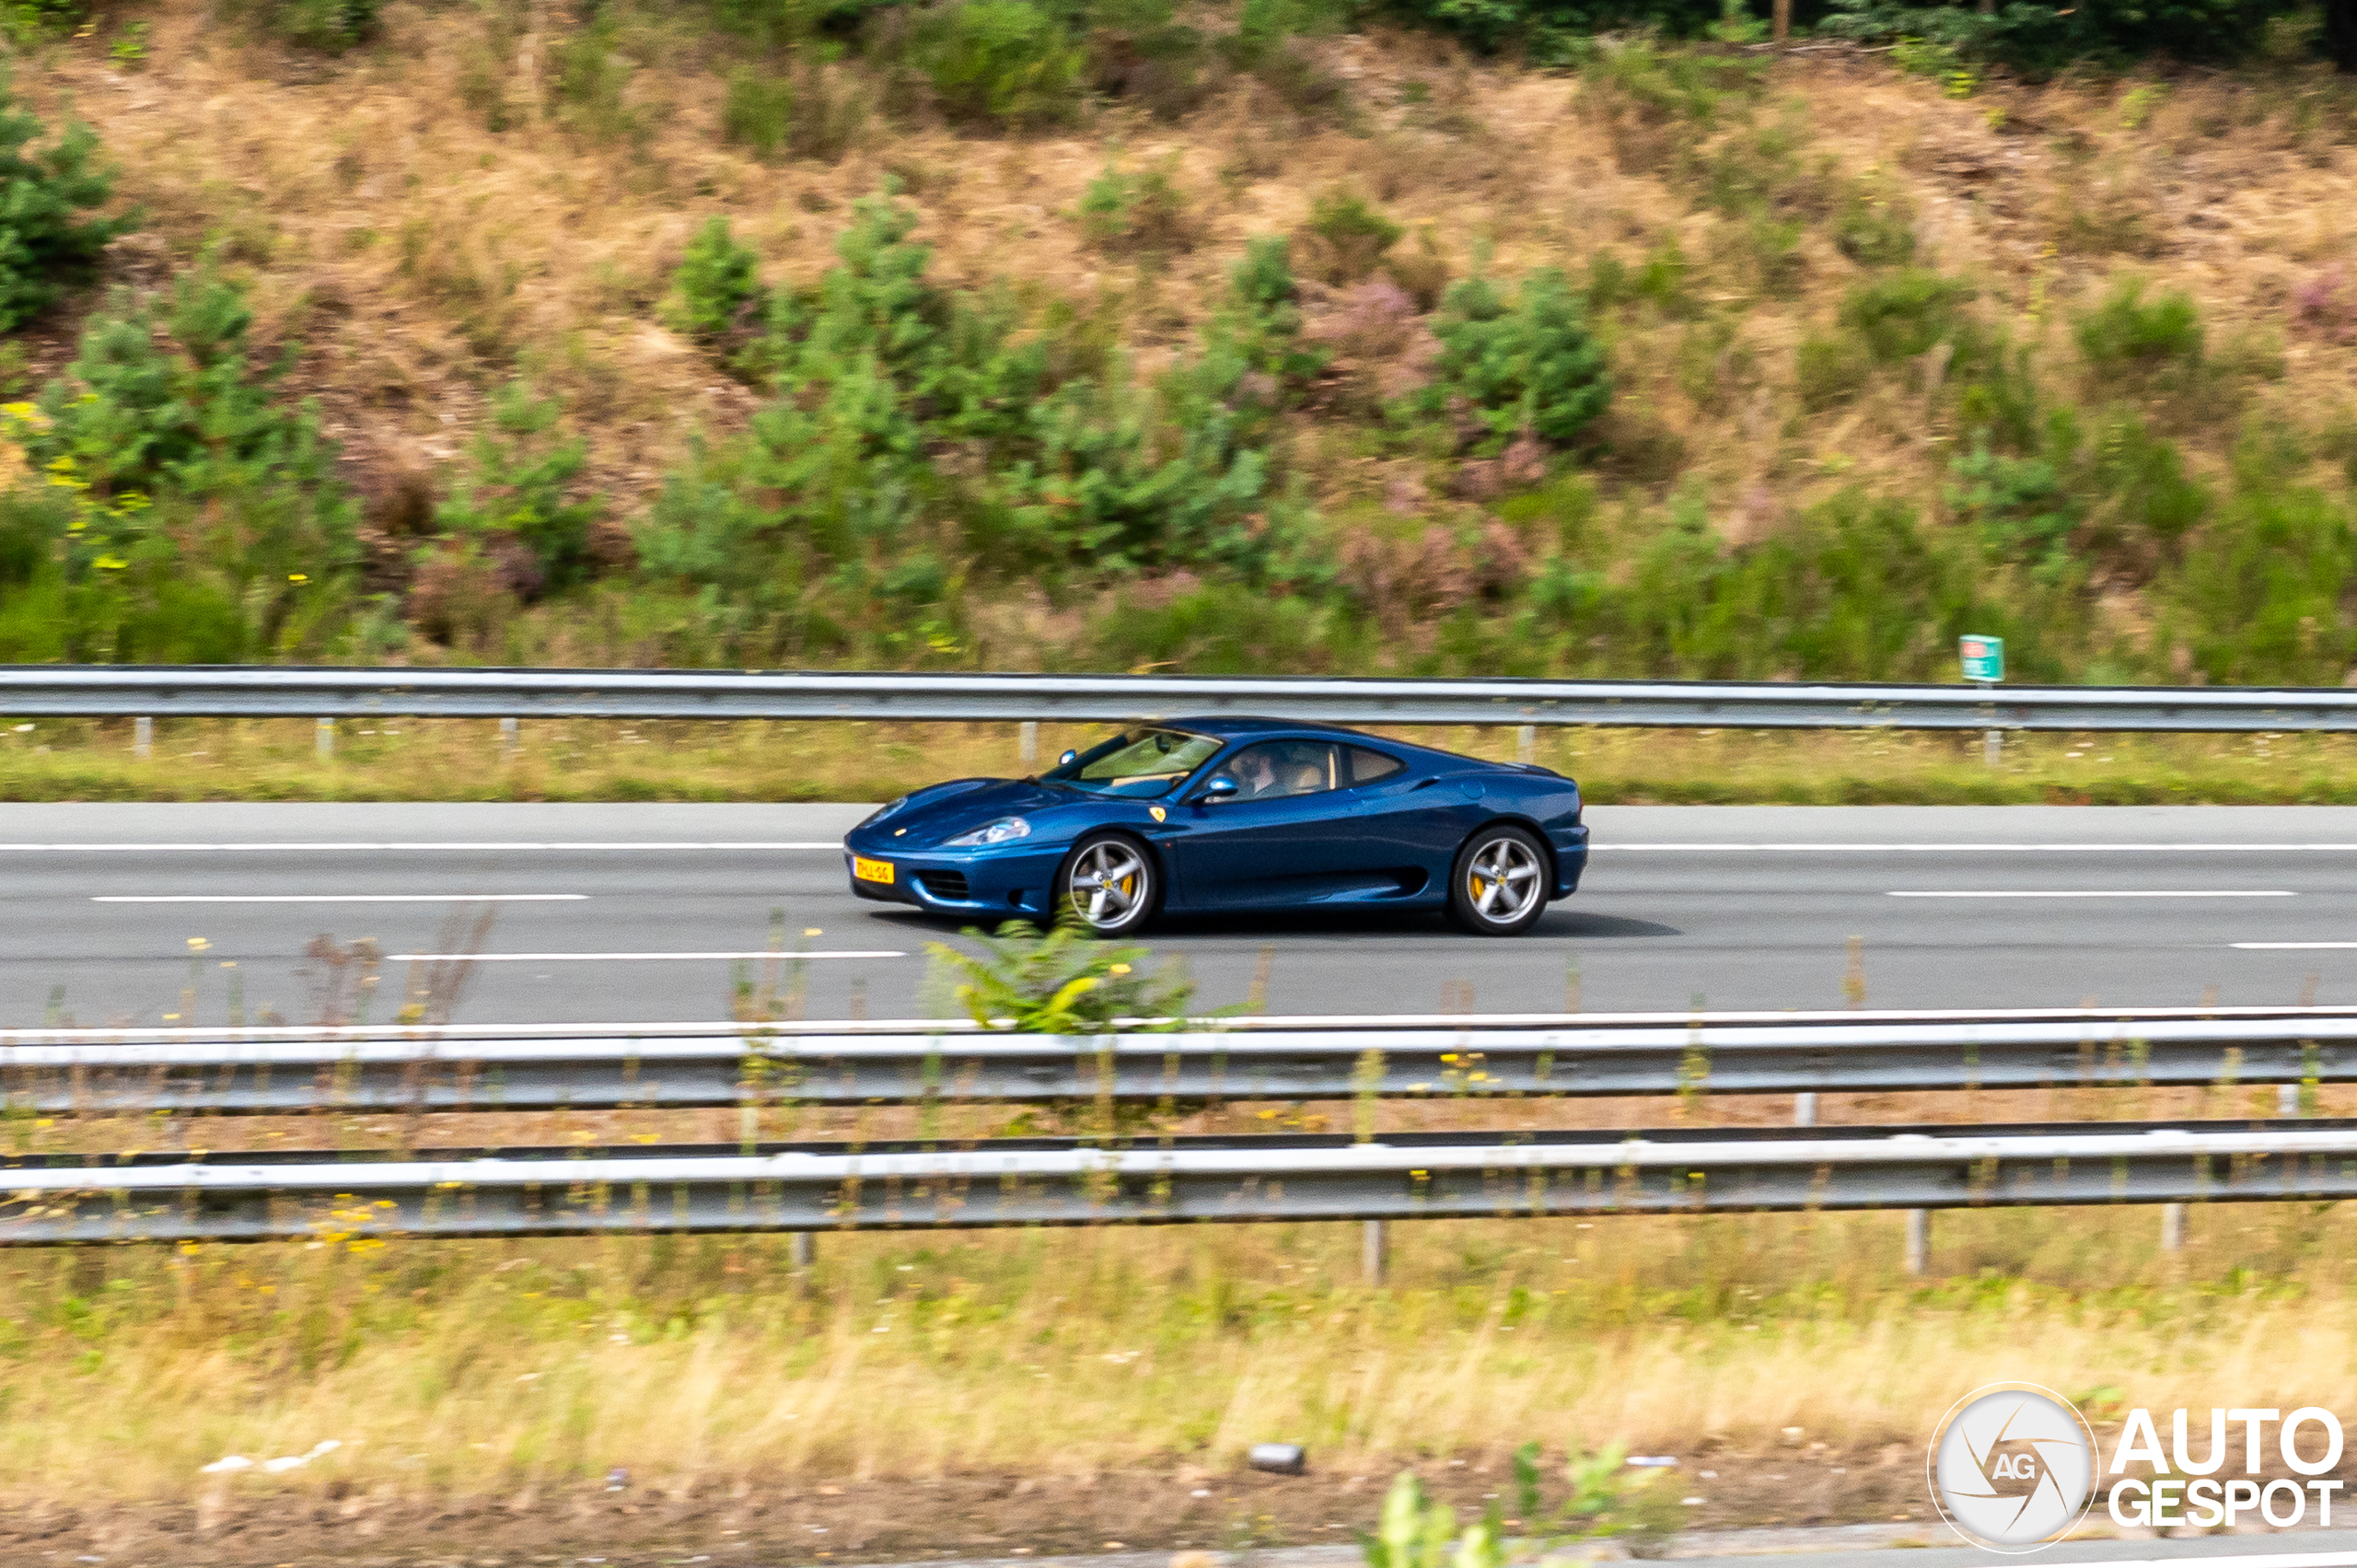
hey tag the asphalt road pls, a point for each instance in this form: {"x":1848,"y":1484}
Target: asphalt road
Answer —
{"x":591,"y":907}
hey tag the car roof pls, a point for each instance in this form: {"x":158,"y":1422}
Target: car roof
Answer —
{"x":1225,"y":726}
{"x":1228,"y":727}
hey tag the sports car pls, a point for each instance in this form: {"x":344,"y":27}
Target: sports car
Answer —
{"x":1197,"y":816}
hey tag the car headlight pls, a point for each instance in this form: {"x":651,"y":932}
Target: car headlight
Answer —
{"x":1001,"y":832}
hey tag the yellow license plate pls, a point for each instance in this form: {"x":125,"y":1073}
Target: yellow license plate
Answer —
{"x":871,"y":870}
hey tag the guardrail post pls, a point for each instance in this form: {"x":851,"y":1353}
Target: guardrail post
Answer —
{"x":2287,"y":1100}
{"x":1030,"y":741}
{"x":142,"y":738}
{"x":1805,"y":1109}
{"x":1373,"y":1251}
{"x":1992,"y":747}
{"x":323,"y":739}
{"x":1919,"y":1239}
{"x":1525,"y":743}
{"x":802,"y":1248}
{"x":2172,"y":1226}
{"x":510,"y":743}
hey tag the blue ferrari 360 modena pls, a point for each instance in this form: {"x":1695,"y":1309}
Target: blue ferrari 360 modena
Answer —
{"x":1206,"y":815}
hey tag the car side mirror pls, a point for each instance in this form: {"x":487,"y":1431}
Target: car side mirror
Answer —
{"x":1216,"y":788}
{"x":1065,"y":761}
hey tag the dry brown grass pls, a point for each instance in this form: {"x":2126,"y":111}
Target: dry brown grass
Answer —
{"x":524,"y":1369}
{"x":590,"y":760}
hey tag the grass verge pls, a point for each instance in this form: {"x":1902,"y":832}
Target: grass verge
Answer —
{"x":707,"y":760}
{"x":516,"y":1375}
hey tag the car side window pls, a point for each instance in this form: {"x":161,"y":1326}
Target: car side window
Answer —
{"x":1368,"y":766}
{"x":1275,"y":769}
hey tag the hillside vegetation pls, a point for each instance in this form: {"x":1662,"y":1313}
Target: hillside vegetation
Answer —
{"x":1269,"y":337}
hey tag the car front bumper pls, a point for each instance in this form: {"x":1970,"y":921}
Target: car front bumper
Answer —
{"x":981,"y":883}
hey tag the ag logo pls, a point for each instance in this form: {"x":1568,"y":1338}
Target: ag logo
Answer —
{"x":2012,"y":1467}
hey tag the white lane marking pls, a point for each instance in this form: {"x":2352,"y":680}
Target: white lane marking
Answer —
{"x":2289,"y":947}
{"x":2098,"y":893}
{"x":346,"y":844}
{"x":626,"y":958}
{"x":1988,"y":848}
{"x":339,"y":898}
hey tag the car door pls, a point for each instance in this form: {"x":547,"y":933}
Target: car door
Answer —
{"x":1286,"y":836}
{"x":1408,"y":823}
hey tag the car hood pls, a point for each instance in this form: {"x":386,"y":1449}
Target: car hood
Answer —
{"x":944,"y":812}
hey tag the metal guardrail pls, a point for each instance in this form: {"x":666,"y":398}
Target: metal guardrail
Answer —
{"x":291,"y":1071}
{"x":1044,"y":1182}
{"x":288,"y":690}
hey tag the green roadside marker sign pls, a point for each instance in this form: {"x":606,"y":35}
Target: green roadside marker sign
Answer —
{"x":1984,"y":657}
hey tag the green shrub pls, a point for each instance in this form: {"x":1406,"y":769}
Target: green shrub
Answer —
{"x":1661,"y":279}
{"x":189,"y":515}
{"x":156,"y":408}
{"x":1136,"y":214}
{"x":45,"y":244}
{"x":1828,"y":371}
{"x":30,"y":21}
{"x":2125,"y":333}
{"x":801,"y":108}
{"x":1004,"y":60}
{"x":778,"y":24}
{"x":2260,"y":591}
{"x":330,"y":27}
{"x":522,"y":486}
{"x":1059,"y":456}
{"x":2143,"y":479}
{"x":1904,"y":315}
{"x":1853,"y":585}
{"x":758,"y":110}
{"x":1529,"y":365}
{"x":716,"y":289}
{"x":1138,"y":52}
{"x":592,"y":84}
{"x":1345,"y":240}
{"x":1671,"y":85}
{"x":1756,"y":171}
{"x":2122,"y":500}
{"x":2018,"y":508}
{"x":2040,"y":39}
{"x":1874,"y":231}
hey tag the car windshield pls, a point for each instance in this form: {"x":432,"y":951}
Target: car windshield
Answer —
{"x":1140,"y":764}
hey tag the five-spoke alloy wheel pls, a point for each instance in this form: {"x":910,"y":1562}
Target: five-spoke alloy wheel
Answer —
{"x":1500,"y":885}
{"x":1109,"y":882}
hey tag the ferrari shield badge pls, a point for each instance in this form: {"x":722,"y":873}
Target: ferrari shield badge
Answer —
{"x":1157,"y":812}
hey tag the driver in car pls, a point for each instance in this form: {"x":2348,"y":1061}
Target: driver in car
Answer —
{"x":1258,"y":775}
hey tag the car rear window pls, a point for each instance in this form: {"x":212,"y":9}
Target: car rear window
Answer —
{"x":1366,"y":766}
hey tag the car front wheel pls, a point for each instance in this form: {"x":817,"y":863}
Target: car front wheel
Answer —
{"x":1499,"y":887}
{"x":1108,"y":882}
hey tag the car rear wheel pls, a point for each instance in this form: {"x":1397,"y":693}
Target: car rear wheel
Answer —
{"x":1499,"y":887}
{"x":1108,"y":882}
